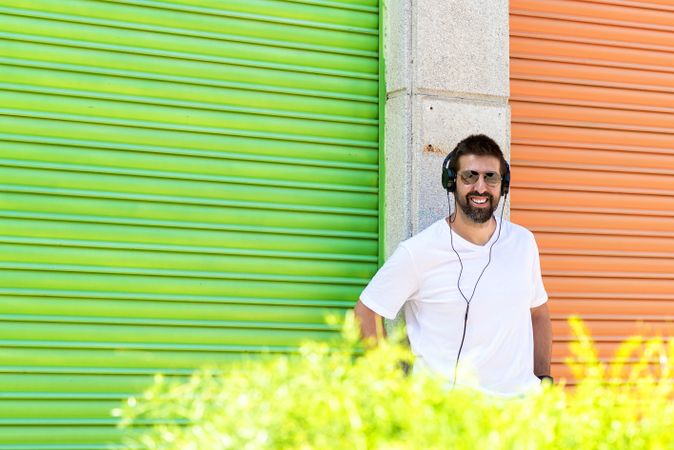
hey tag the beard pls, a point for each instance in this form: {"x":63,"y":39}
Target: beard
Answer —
{"x":477,"y":215}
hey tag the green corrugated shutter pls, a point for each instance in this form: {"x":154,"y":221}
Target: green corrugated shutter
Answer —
{"x":182,"y":182}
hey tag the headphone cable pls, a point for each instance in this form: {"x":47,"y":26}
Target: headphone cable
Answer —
{"x":458,"y":280}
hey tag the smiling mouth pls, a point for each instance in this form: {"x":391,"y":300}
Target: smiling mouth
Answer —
{"x":479,"y":201}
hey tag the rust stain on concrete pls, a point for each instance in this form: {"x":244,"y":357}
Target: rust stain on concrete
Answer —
{"x":430,"y":148}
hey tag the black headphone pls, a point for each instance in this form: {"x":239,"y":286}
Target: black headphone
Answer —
{"x":449,"y":174}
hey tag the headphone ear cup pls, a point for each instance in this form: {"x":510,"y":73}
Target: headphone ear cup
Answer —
{"x":451,"y":180}
{"x":448,"y":174}
{"x":505,"y":184}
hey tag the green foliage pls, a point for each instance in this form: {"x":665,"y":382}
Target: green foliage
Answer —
{"x":331,"y":398}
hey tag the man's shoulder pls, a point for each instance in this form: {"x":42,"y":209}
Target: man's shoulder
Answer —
{"x":518,"y":231}
{"x":426,"y":237}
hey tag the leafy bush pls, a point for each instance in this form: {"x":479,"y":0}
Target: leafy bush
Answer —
{"x":329,"y":398}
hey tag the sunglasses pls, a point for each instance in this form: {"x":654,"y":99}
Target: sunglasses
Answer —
{"x":471,"y":177}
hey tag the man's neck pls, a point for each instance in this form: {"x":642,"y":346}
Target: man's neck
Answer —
{"x":477,"y":233}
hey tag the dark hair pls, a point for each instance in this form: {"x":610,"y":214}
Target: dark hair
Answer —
{"x":480,"y":145}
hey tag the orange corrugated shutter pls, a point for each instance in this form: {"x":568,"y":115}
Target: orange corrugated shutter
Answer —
{"x":592,"y":98}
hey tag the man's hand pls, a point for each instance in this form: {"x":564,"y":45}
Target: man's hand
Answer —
{"x":371,"y":325}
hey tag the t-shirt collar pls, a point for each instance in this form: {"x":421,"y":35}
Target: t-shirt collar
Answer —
{"x":460,"y":241}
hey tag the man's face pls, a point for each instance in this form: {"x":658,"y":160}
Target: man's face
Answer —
{"x":478,"y":200}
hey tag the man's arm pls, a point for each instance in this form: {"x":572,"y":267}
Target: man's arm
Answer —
{"x":540,"y":319}
{"x":371,"y":325}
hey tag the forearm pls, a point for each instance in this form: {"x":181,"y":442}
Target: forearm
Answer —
{"x":542,"y":328}
{"x":371,"y":326}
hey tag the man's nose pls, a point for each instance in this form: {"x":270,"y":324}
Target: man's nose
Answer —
{"x":480,"y":185}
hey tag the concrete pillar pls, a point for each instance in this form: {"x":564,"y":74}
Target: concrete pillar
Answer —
{"x":447,"y":76}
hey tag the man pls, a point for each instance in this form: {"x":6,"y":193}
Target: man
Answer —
{"x":470,"y":285}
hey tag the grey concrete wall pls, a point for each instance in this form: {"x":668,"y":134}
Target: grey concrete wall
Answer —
{"x":447,"y":76}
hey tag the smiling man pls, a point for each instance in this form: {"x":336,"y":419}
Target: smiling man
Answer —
{"x":470,"y":285}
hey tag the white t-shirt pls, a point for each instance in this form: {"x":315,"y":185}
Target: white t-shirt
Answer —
{"x":421,"y":276}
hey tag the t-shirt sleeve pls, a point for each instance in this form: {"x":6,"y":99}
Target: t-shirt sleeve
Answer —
{"x":540,"y":296}
{"x":392,"y":285}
